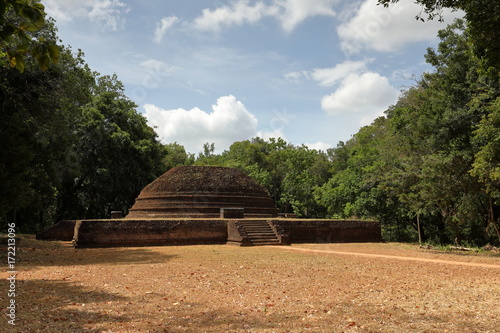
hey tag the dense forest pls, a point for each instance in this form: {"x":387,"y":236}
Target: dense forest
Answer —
{"x":74,"y":146}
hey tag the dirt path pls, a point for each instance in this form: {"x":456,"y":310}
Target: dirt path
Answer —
{"x":320,"y":288}
{"x":437,"y":261}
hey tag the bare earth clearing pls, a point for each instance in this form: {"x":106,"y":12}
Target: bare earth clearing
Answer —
{"x":221,"y":288}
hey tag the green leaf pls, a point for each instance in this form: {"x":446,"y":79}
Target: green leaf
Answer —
{"x":53,"y":51}
{"x":35,"y":19}
{"x":43,"y":61}
{"x":40,"y":7}
{"x":16,"y":60}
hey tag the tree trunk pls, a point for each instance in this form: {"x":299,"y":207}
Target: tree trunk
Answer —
{"x":419,"y":232}
{"x":493,"y":218}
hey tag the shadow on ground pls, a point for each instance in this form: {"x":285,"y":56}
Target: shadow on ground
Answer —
{"x":33,"y":253}
{"x":59,"y":306}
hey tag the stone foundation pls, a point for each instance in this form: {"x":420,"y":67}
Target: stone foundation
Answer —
{"x":123,"y":232}
{"x":152,"y":232}
{"x":330,"y":231}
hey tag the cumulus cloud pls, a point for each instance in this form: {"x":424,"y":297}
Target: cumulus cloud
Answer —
{"x":387,"y":29}
{"x":239,"y":13}
{"x":360,"y":93}
{"x":319,"y":145}
{"x":357,"y":90}
{"x":228,"y":122}
{"x":289,"y":13}
{"x":162,"y":27}
{"x":107,"y":14}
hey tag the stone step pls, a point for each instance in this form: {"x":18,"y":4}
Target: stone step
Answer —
{"x":258,"y":228}
{"x":259,"y":232}
{"x":265,"y":242}
{"x":254,"y":225}
{"x":257,"y":236}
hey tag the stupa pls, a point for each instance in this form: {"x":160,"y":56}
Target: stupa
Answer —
{"x":208,"y":205}
{"x":201,"y":192}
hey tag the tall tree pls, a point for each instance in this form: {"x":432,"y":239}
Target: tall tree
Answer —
{"x":117,"y":155}
{"x":72,"y":144}
{"x":39,"y":111}
{"x":414,"y":164}
{"x":487,"y":161}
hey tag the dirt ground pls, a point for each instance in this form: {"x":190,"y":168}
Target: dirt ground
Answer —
{"x":222,"y":288}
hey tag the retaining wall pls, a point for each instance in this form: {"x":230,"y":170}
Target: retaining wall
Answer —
{"x":330,"y":231}
{"x":151,"y":232}
{"x":123,"y":232}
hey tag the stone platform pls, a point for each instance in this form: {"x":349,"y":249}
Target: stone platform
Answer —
{"x":243,"y":232}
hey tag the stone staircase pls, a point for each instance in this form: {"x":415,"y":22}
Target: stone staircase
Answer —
{"x":259,"y":232}
{"x":253,"y":232}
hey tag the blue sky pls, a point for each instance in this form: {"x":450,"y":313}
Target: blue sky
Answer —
{"x":310,"y":71}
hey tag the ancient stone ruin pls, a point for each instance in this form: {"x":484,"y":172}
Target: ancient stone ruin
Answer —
{"x":201,"y":192}
{"x":209,"y":205}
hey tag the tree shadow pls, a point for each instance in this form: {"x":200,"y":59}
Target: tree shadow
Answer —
{"x":59,"y":306}
{"x":32,"y":253}
{"x":197,"y":318}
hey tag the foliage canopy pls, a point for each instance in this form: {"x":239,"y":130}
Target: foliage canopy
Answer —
{"x":20,"y":24}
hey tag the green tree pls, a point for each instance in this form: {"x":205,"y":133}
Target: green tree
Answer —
{"x":486,"y":165}
{"x":39,"y":111}
{"x":176,"y":156}
{"x":72,"y":144}
{"x":414,"y":164}
{"x":432,"y":127}
{"x":20,"y":22}
{"x":117,"y":155}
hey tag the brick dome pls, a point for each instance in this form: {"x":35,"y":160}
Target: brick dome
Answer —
{"x":201,"y":191}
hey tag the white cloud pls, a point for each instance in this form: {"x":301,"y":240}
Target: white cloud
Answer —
{"x":319,"y":145}
{"x":295,"y":77}
{"x":107,"y":14}
{"x":156,"y":72}
{"x":357,"y":90}
{"x":61,"y":10}
{"x":289,"y":13}
{"x":331,"y":76}
{"x":239,"y":13}
{"x":162,"y":27}
{"x":366,"y":93}
{"x":387,"y":29}
{"x":228,"y":122}
{"x":294,"y":12}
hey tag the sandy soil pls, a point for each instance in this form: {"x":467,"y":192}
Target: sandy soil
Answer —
{"x":221,"y":288}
